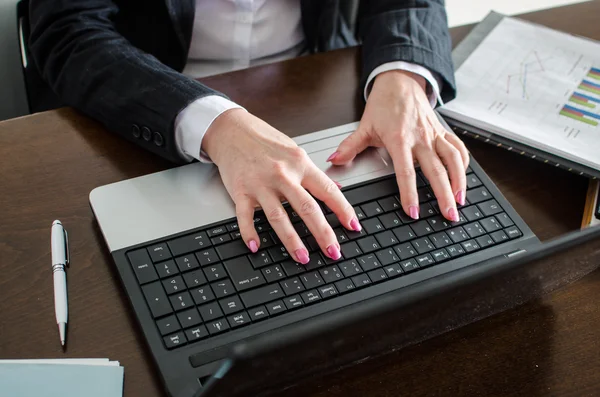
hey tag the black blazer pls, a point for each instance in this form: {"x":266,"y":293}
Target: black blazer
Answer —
{"x":119,"y":61}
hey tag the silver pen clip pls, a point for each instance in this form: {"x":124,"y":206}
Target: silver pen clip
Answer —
{"x":68,"y":256}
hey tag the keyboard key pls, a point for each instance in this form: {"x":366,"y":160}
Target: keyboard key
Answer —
{"x":233,"y":227}
{"x":260,"y":259}
{"x":210,"y":311}
{"x":344,"y":286}
{"x":258,"y":313}
{"x":372,"y":225}
{"x":156,"y":299}
{"x":340,"y":235}
{"x":425,"y":194}
{"x":173,"y":285}
{"x":196,"y":333}
{"x":472,"y":213}
{"x":293,"y":302}
{"x":393,"y":270}
{"x":232,"y":249}
{"x":490,"y":224}
{"x":513,"y":232}
{"x":159,"y":252}
{"x":186,"y":244}
{"x":238,"y":319}
{"x":259,"y":217}
{"x":368,"y":244}
{"x":181,"y":301}
{"x":142,"y":266}
{"x":389,"y":204}
{"x":478,"y":195}
{"x":423,"y":245}
{"x":223,"y":288}
{"x":273,"y":273}
{"x":311,"y":280}
{"x":263,"y":227}
{"x":409,"y":265}
{"x":372,"y":209}
{"x":422,"y":228}
{"x":390,"y":221}
{"x":331,"y":274}
{"x":474,"y":229}
{"x":220,"y":239}
{"x":217,"y":230}
{"x":189,"y":318}
{"x":231,"y":304}
{"x":294,"y":217}
{"x":360,"y":215}
{"x":426,"y":210}
{"x":316,"y":260}
{"x":499,"y":236}
{"x":457,"y":234}
{"x":217,"y":326}
{"x":440,"y":240}
{"x":202,"y":295}
{"x":167,"y":325}
{"x":387,"y":256}
{"x":455,"y":250}
{"x":377,"y":275}
{"x":490,"y":207}
{"x":327,"y":291}
{"x":372,"y":191}
{"x":405,"y":251}
{"x":470,"y":246}
{"x":301,"y":229}
{"x":350,"y":250}
{"x":194,"y":279}
{"x":187,"y":262}
{"x":292,"y":268}
{"x":262,"y":295}
{"x":424,"y":260}
{"x":386,"y":239}
{"x":333,"y":220}
{"x":404,"y":217}
{"x":166,"y":269}
{"x":310,"y":296}
{"x":350,"y":268}
{"x":484,"y":241}
{"x":235,"y":235}
{"x":404,"y":233}
{"x":420,"y":180}
{"x":361,"y":280}
{"x":505,"y":221}
{"x":368,"y":262}
{"x":440,"y":255}
{"x":276,"y":307}
{"x":174,"y":340}
{"x":243,"y":274}
{"x":215,"y":272}
{"x":279,"y":254}
{"x":207,"y":257}
{"x":353,"y":235}
{"x":473,"y":181}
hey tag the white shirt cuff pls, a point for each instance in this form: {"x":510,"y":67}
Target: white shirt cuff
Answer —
{"x":434,"y":81}
{"x":192,"y":123}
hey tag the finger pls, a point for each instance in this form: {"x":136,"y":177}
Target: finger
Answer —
{"x":326,"y":190}
{"x":350,"y":147}
{"x":313,"y":217}
{"x":405,"y":177}
{"x":459,"y":144}
{"x":452,"y":159}
{"x":280,"y":221}
{"x":244,"y":210}
{"x":434,"y":170}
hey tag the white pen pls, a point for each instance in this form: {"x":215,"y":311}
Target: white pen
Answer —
{"x":60,"y":259}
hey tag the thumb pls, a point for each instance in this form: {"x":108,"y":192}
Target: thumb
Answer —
{"x":358,"y":141}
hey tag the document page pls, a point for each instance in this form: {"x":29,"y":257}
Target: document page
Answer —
{"x":536,"y":86}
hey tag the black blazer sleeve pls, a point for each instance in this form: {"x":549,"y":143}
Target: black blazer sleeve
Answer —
{"x":413,"y":31}
{"x":93,"y":68}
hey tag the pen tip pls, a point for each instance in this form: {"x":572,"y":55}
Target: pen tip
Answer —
{"x":56,"y":222}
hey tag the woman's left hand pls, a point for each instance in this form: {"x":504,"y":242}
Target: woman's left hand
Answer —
{"x":399,"y":117}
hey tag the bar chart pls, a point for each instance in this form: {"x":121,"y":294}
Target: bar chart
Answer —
{"x":584,"y":102}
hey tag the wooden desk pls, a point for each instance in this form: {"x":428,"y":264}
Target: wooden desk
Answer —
{"x":51,"y":161}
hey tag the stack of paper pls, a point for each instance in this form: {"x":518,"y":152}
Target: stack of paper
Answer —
{"x":61,"y":378}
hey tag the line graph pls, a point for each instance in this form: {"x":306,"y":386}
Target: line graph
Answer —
{"x":531,"y":63}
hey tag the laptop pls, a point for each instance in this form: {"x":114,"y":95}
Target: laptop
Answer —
{"x":207,"y":307}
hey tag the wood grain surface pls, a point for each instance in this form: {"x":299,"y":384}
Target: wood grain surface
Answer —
{"x":49,"y":162}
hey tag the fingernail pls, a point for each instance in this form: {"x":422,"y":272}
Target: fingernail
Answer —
{"x":413,"y":211}
{"x":333,"y":156}
{"x":453,"y":214}
{"x":334,"y":252}
{"x":302,"y":255}
{"x":355,"y":225}
{"x":253,"y":246}
{"x":339,"y":185}
{"x":460,"y":197}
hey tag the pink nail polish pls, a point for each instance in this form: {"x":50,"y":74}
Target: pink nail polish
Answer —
{"x":253,"y":246}
{"x":355,"y":225}
{"x":460,"y":197}
{"x":333,"y":156}
{"x":339,"y":185}
{"x":334,"y":252}
{"x":453,"y":214}
{"x":302,"y":255}
{"x":413,"y":211}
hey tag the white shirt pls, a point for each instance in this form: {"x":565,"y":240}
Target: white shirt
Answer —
{"x":229,"y":35}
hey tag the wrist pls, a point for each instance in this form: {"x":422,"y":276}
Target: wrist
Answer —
{"x":218,"y":132}
{"x":400,"y":81}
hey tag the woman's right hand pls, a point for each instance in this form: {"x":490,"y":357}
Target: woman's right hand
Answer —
{"x":260,"y":167}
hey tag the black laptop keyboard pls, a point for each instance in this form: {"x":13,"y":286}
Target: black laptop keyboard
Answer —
{"x":207,"y":282}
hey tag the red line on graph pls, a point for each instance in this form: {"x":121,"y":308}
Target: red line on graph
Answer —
{"x":538,"y":59}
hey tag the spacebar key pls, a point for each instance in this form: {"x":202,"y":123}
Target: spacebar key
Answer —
{"x":372,"y":191}
{"x":235,"y":248}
